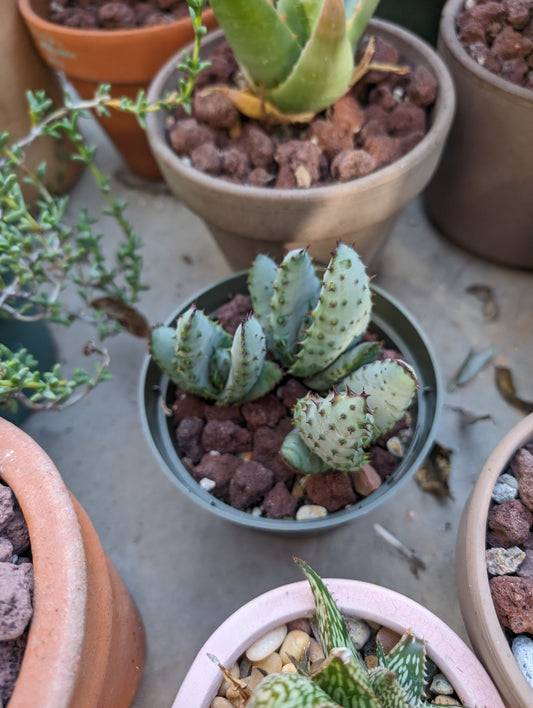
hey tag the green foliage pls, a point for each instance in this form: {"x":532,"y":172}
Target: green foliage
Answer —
{"x":44,"y":249}
{"x":298,"y":55}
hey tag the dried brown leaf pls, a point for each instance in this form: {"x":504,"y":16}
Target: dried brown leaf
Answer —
{"x":505,"y":385}
{"x":130,"y":318}
{"x":485,"y":294}
{"x":433,"y":475}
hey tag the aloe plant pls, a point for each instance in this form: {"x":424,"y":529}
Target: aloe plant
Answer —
{"x":333,"y":432}
{"x":297,"y":55}
{"x":343,"y":679}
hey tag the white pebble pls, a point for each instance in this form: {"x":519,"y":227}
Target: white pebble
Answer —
{"x":207,"y":484}
{"x":359,"y":632}
{"x":267,"y":644}
{"x":307,"y":512}
{"x":395,"y":447}
{"x":522,"y":648}
{"x":294,"y":645}
{"x":441,"y":685}
{"x":506,"y":488}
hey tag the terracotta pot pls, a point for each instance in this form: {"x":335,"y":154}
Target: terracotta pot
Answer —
{"x":126,"y":59}
{"x":395,"y":324}
{"x":246,"y":220}
{"x":480,"y":196}
{"x":477,"y":608}
{"x":354,"y":598}
{"x":24,"y":70}
{"x":86,"y":643}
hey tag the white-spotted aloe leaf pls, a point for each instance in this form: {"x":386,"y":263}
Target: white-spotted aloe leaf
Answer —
{"x":346,"y":681}
{"x":288,"y":690}
{"x":298,"y":456}
{"x":268,"y":378}
{"x":407,"y":659}
{"x":348,"y":361}
{"x":261,"y":278}
{"x":389,"y":691}
{"x":248,"y":353}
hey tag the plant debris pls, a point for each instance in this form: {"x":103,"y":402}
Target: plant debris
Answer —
{"x":505,"y":385}
{"x":415,"y":561}
{"x":474,"y":363}
{"x":433,"y":475}
{"x":485,"y":294}
{"x":467,"y":418}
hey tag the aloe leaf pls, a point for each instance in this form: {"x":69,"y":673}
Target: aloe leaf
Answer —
{"x":341,"y":315}
{"x":269,"y":377}
{"x":261,"y":40}
{"x":163,"y":350}
{"x":362,"y":353}
{"x":358,"y":13}
{"x":248,"y":353}
{"x":261,"y":278}
{"x":346,"y":681}
{"x":408,"y":662}
{"x":323,"y":71}
{"x":388,"y":690}
{"x":298,"y":455}
{"x":287,"y":690}
{"x":296,"y":290}
{"x":301,"y":15}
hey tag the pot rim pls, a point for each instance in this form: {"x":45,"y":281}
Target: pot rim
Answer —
{"x":163,"y":450}
{"x":356,"y":598}
{"x":481,"y":621}
{"x":44,"y":25}
{"x":444,"y":110}
{"x":448,"y":36}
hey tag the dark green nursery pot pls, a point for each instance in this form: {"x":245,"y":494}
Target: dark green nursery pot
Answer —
{"x":420,"y":16}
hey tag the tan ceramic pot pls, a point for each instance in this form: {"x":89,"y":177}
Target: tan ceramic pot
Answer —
{"x":356,"y":599}
{"x":477,"y":608}
{"x":247,"y":220}
{"x":24,"y":70}
{"x":86,"y":643}
{"x":126,"y":59}
{"x":480,"y":196}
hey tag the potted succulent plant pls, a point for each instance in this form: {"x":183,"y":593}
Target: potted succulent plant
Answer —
{"x":340,"y":677}
{"x":489,"y":639}
{"x":126,"y":54}
{"x":315,"y":334}
{"x":246,"y":218}
{"x":481,"y":189}
{"x":86,"y":641}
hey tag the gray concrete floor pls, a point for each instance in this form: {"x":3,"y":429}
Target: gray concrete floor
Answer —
{"x":189,"y":570}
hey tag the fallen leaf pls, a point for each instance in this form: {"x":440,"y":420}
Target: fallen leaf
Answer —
{"x":467,"y":418}
{"x":474,"y":363}
{"x":130,"y":318}
{"x":433,"y":475}
{"x":505,"y":385}
{"x":485,"y":294}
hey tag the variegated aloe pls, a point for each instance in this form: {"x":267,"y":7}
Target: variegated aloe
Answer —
{"x":202,"y":358}
{"x":343,"y":680}
{"x":297,"y":55}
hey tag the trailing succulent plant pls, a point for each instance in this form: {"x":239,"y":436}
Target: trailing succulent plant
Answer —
{"x":297,"y":56}
{"x":343,"y":679}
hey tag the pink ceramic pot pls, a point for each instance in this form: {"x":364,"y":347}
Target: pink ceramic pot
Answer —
{"x":355,"y":598}
{"x":477,"y":608}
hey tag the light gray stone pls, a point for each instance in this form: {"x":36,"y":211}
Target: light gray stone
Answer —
{"x":359,"y":632}
{"x":506,"y":488}
{"x":522,"y":648}
{"x":503,"y":561}
{"x":441,"y":685}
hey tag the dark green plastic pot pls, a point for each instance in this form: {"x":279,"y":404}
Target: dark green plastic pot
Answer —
{"x":420,"y":16}
{"x":396,"y":326}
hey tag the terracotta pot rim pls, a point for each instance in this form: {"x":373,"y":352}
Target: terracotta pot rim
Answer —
{"x":42,"y":23}
{"x":355,"y":597}
{"x":389,"y":173}
{"x":474,"y":523}
{"x":449,"y":36}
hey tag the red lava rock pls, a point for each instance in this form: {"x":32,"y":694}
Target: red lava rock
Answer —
{"x":7,"y":503}
{"x":117,"y":15}
{"x":235,"y":163}
{"x":518,"y":13}
{"x":382,"y":461}
{"x":259,"y":145}
{"x":187,"y":405}
{"x":215,"y":109}
{"x":350,"y":164}
{"x":513,"y":602}
{"x":509,"y":524}
{"x":383,"y":96}
{"x":207,"y":158}
{"x":220,"y":469}
{"x":509,"y":44}
{"x":226,"y":436}
{"x":514,"y":70}
{"x":409,"y":141}
{"x":471,"y":31}
{"x":332,"y":490}
{"x":267,"y":410}
{"x":267,"y":445}
{"x":189,"y":438}
{"x":525,"y":570}
{"x":285,"y":178}
{"x":16,"y":586}
{"x":223,"y":65}
{"x":230,"y":315}
{"x":301,"y":623}
{"x":214,"y":412}
{"x":522,"y":469}
{"x":348,"y":114}
{"x":406,"y":118}
{"x":383,"y":148}
{"x":11,"y":655}
{"x":279,"y":502}
{"x":372,"y":127}
{"x":6,"y":550}
{"x":330,"y":138}
{"x":422,"y":87}
{"x":366,"y":480}
{"x":186,"y":135}
{"x":296,"y":154}
{"x":291,"y":391}
{"x":259,"y":177}
{"x":249,"y":484}
{"x":384,"y":53}
{"x":16,"y":531}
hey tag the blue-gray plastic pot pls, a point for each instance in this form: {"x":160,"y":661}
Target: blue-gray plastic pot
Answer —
{"x":398,"y":328}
